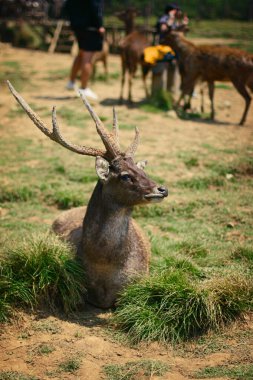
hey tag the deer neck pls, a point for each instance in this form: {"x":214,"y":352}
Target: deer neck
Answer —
{"x":104,"y":215}
{"x":129,"y":25}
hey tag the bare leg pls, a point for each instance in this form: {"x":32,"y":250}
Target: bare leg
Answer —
{"x":86,"y":66}
{"x":76,"y":67}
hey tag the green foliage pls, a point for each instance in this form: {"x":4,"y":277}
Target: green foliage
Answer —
{"x":65,"y":199}
{"x":70,"y":365}
{"x":240,"y":372}
{"x":133,"y":370}
{"x":41,"y":270}
{"x":19,"y":194}
{"x":170,"y":306}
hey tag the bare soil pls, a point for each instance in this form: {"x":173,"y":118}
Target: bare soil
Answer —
{"x":86,"y":336}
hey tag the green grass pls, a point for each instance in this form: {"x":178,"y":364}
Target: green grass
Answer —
{"x":133,"y":370}
{"x":160,"y":101}
{"x":171,"y":306}
{"x":70,"y":365}
{"x":40,"y":271}
{"x":239,"y":372}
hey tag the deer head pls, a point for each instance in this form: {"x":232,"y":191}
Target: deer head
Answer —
{"x":123,"y":180}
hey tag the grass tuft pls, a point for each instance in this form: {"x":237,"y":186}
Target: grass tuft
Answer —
{"x":135,"y":370}
{"x":41,"y":270}
{"x":13,"y":375}
{"x":169,"y":306}
{"x":240,"y":372}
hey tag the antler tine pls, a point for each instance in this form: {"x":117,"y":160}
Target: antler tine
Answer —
{"x":55,"y":134}
{"x":108,"y":140}
{"x":133,"y":147}
{"x":115,"y":127}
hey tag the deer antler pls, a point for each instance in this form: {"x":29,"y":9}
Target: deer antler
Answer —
{"x":115,"y":127}
{"x":107,"y":138}
{"x":55,"y":135}
{"x":133,"y":147}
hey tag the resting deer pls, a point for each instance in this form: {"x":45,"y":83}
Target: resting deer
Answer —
{"x":107,"y":240}
{"x":210,"y":63}
{"x":131,"y":52}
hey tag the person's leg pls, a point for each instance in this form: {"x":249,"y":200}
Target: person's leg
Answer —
{"x":86,"y":67}
{"x":76,"y":67}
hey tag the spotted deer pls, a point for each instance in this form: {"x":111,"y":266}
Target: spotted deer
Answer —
{"x":107,"y":240}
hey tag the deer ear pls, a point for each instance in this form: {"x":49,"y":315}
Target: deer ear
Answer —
{"x":141,"y":164}
{"x":102,"y":168}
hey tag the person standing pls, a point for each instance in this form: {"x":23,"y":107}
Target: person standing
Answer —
{"x":86,"y":20}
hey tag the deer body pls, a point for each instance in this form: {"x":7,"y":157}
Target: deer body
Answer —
{"x":108,"y":242}
{"x":210,"y":63}
{"x":131,"y":51}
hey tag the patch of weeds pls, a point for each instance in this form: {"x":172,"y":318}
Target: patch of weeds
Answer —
{"x":170,"y":306}
{"x":191,"y":249}
{"x":65,"y":199}
{"x":19,"y":194}
{"x":244,"y":254}
{"x":81,"y":177}
{"x":44,"y":349}
{"x":135,"y":370}
{"x":70,"y":365}
{"x":191,"y":162}
{"x":13,"y":64}
{"x":50,"y":327}
{"x":161,"y":101}
{"x":13,"y":375}
{"x":240,"y":372}
{"x":201,"y":183}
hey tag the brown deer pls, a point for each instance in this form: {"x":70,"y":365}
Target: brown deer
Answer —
{"x":107,"y":240}
{"x":101,"y":56}
{"x":131,"y":52}
{"x":210,"y":63}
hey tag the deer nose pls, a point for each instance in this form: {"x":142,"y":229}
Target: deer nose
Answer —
{"x":163,"y":190}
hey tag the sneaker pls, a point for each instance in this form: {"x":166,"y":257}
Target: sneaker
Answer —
{"x":70,"y":85}
{"x":88,"y":93}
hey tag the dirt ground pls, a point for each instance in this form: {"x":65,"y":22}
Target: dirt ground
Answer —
{"x":86,"y":336}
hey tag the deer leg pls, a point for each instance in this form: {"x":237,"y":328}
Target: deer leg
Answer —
{"x":105,"y":67}
{"x":243,"y":91}
{"x":145,"y":70}
{"x":202,"y":108}
{"x":123,"y":77}
{"x":130,"y":82}
{"x":211,"y":96}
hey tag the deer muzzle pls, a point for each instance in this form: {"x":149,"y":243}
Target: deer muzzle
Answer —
{"x":157,"y":195}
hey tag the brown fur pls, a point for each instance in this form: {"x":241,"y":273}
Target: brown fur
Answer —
{"x":210,"y":63}
{"x":131,"y":52}
{"x":109,"y":243}
{"x":101,"y":56}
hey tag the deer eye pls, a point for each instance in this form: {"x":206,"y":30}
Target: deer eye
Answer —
{"x":125,"y":177}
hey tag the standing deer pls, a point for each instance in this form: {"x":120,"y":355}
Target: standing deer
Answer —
{"x":131,"y":52}
{"x":107,"y":240}
{"x":210,"y":63}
